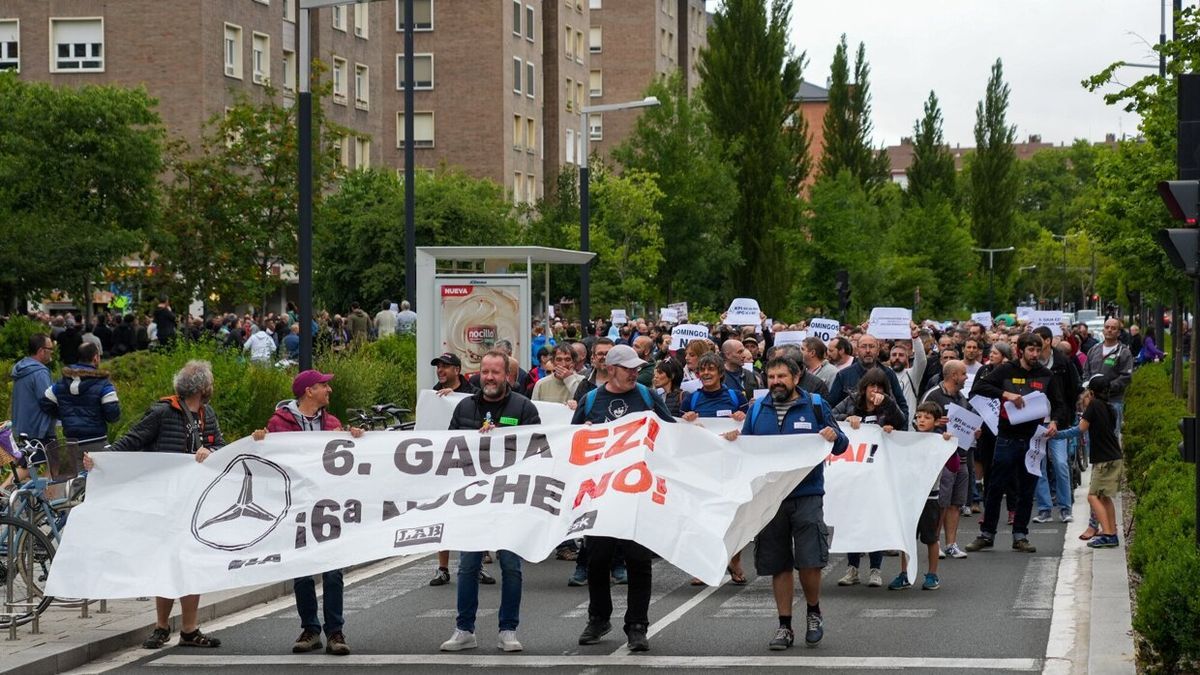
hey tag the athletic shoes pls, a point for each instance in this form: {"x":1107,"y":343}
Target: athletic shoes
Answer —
{"x":1041,"y":517}
{"x":507,"y":641}
{"x":932,"y":583}
{"x":851,"y":577}
{"x":900,"y":583}
{"x":485,"y":578}
{"x":875,"y":578}
{"x":579,"y":578}
{"x":1024,"y":546}
{"x":954,"y":551}
{"x":941,"y":553}
{"x":635,"y":637}
{"x":441,"y":577}
{"x":1066,"y":517}
{"x":459,"y":641}
{"x":620,"y":576}
{"x":981,"y":542}
{"x":1104,"y":541}
{"x":784,"y":638}
{"x":815,"y":629}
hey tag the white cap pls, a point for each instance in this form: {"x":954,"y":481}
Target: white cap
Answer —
{"x":624,"y":356}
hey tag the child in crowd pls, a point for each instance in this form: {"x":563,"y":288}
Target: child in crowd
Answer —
{"x":1099,"y":423}
{"x":925,"y":421}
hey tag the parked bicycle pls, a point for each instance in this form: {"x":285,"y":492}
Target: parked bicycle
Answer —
{"x":382,"y":417}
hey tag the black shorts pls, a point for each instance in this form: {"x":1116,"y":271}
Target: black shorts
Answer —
{"x":796,"y":537}
{"x":927,"y":524}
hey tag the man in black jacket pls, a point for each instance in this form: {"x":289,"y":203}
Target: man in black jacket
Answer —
{"x":1066,"y":378}
{"x":1011,"y":382}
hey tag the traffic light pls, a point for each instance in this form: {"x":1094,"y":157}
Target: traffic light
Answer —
{"x":1180,"y":197}
{"x":1182,"y":245}
{"x":842,"y":284}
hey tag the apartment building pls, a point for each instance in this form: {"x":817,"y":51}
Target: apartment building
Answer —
{"x":568,"y":43}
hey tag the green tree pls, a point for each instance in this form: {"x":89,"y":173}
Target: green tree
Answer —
{"x":78,"y":182}
{"x":699,"y":195}
{"x":931,"y":176}
{"x":751,"y":83}
{"x":847,"y":123}
{"x":627,"y":238}
{"x":931,"y":248}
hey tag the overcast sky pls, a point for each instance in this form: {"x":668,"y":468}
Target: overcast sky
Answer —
{"x":1047,"y":47}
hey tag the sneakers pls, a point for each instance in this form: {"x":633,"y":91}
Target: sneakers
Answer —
{"x":307,"y":642}
{"x":198,"y":639}
{"x":900,"y":583}
{"x":579,"y":578}
{"x":932,"y":583}
{"x":966,"y":510}
{"x":486,"y":579}
{"x":874,"y":578}
{"x":459,"y":641}
{"x":1024,"y":546}
{"x":595,"y":630}
{"x":815,"y":629}
{"x":954,"y":551}
{"x":158,"y":638}
{"x":981,"y":542}
{"x":1066,"y":517}
{"x":620,"y":576}
{"x":941,"y":553}
{"x":635,"y":634}
{"x":441,"y":577}
{"x":851,"y":578}
{"x":337,"y":645}
{"x":784,"y":638}
{"x":1104,"y":541}
{"x":507,"y":641}
{"x":1041,"y":517}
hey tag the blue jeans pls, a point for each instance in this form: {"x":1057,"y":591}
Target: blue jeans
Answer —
{"x":1056,"y":454}
{"x":469,"y":563}
{"x":1008,"y":462}
{"x":1119,"y":408}
{"x":305,"y":589}
{"x":874,"y":557}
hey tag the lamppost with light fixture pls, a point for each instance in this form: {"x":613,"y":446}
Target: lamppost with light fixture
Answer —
{"x":992,"y":273}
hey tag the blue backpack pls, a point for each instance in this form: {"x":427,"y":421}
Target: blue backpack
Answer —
{"x":590,"y":399}
{"x":696,"y":397}
{"x":816,"y":404}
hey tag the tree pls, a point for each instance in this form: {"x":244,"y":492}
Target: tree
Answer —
{"x":932,"y":175}
{"x":931,"y":240}
{"x":78,"y":182}
{"x":847,"y":123}
{"x":751,"y":83}
{"x":673,"y":142}
{"x":992,"y":177}
{"x":627,"y":238}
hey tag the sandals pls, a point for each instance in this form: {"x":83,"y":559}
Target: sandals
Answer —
{"x":1087,"y":537}
{"x":198,"y":639}
{"x":736,"y":579}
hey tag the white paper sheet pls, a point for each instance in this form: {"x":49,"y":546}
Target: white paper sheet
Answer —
{"x":1037,"y":407}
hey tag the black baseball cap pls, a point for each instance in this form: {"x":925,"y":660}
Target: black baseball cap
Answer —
{"x":447,"y":359}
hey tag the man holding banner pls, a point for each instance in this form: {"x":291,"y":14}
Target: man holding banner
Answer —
{"x":797,"y":536}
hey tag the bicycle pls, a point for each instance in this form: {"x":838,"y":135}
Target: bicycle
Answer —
{"x":381,"y":417}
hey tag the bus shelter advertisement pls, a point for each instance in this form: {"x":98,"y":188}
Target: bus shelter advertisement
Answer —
{"x":476,"y":313}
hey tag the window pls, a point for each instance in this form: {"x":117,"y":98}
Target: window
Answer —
{"x":289,"y":10}
{"x":289,"y":70}
{"x":422,"y":129}
{"x":339,"y":80}
{"x":530,"y":89}
{"x":578,"y":46}
{"x":233,"y":51}
{"x":78,"y":45}
{"x":362,"y":86}
{"x":422,"y":71}
{"x":518,"y":185}
{"x":530,"y":135}
{"x":341,"y":148}
{"x":529,"y":22}
{"x":10,"y":44}
{"x":339,"y":17}
{"x":518,"y":132}
{"x":362,"y":19}
{"x":578,"y":96}
{"x":516,"y":75}
{"x":595,"y":38}
{"x":596,"y":126}
{"x":569,"y":43}
{"x":570,"y":94}
{"x":516,"y":28}
{"x":530,"y":189}
{"x":596,"y":87}
{"x":570,"y":146}
{"x":422,"y":15}
{"x":260,"y":58}
{"x":362,"y":153}
{"x":662,"y":41}
{"x":593,"y":4}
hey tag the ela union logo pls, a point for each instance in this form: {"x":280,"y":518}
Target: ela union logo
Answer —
{"x":242,"y":505}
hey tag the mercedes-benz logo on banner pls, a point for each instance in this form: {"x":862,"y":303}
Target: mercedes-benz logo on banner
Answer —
{"x":242,"y":505}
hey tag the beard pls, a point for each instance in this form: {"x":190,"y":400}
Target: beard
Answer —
{"x":492,"y":390}
{"x":897,"y":366}
{"x":780,"y":393}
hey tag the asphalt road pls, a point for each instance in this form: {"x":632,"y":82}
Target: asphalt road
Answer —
{"x":992,"y":614}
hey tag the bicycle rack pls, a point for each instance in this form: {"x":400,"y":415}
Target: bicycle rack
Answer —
{"x":9,"y":603}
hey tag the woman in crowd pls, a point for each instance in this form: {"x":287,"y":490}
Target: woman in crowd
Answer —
{"x":668,"y":376}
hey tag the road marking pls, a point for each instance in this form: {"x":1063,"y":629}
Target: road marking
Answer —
{"x":601,"y":661}
{"x":897,"y":613}
{"x":1035,"y":596}
{"x":755,"y":601}
{"x":676,"y":613}
{"x":364,"y":574}
{"x":449,"y":613}
{"x":1068,"y":640}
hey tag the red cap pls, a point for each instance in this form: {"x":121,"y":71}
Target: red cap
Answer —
{"x":308,"y":378}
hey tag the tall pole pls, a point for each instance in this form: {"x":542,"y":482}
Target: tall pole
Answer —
{"x":584,"y":220}
{"x":305,"y":193}
{"x":992,"y":273}
{"x":410,"y":169}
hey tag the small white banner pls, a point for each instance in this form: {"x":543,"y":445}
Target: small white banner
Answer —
{"x":618,"y":317}
{"x":825,"y":329}
{"x":989,"y":410}
{"x":790,"y":337}
{"x":684,"y":333}
{"x":1025,"y":312}
{"x":983,"y":319}
{"x":681,"y":310}
{"x":1051,"y":319}
{"x":668,"y":315}
{"x":743,"y":312}
{"x":963,"y":425}
{"x":891,"y":323}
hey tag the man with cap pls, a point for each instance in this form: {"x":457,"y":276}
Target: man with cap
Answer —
{"x":307,"y":412}
{"x":449,"y":374}
{"x":619,"y":396}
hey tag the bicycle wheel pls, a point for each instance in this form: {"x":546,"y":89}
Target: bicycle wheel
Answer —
{"x":24,"y":571}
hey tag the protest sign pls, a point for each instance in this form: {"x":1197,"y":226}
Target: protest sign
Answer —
{"x":1036,"y":407}
{"x":963,"y":425}
{"x":825,"y":329}
{"x":681,"y":310}
{"x":743,"y":312}
{"x":1024,"y":312}
{"x":1037,"y":451}
{"x":891,"y":323}
{"x":668,"y":315}
{"x":297,"y":504}
{"x":618,"y":317}
{"x":983,"y":319}
{"x":989,"y":410}
{"x":1051,"y":319}
{"x":790,"y":337}
{"x":550,"y":311}
{"x":684,"y":333}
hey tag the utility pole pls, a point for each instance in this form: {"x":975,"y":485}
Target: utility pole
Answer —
{"x":992,"y":273}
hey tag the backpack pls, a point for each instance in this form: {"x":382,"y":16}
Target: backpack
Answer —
{"x":696,"y":397}
{"x":816,"y":404}
{"x":590,"y":399}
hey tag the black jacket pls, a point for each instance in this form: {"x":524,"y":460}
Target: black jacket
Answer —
{"x":165,"y":428}
{"x":468,"y":414}
{"x":1012,"y":377}
{"x":887,"y":414}
{"x":1066,"y":380}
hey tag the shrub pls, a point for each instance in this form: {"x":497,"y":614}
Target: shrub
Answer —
{"x":15,"y":334}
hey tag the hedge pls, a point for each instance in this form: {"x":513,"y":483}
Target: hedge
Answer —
{"x":1163,"y":549}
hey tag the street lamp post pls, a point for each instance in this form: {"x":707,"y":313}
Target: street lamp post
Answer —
{"x":992,"y":273}
{"x":1062,"y":295}
{"x":584,"y":197}
{"x":304,"y":173}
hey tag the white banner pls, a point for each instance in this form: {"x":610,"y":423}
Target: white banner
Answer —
{"x":305,"y":502}
{"x":983,"y":319}
{"x":891,"y":323}
{"x":825,"y":329}
{"x":989,"y":410}
{"x":682,"y":334}
{"x":790,"y":337}
{"x":618,"y":317}
{"x":1025,"y":312}
{"x":743,"y":312}
{"x":668,"y":315}
{"x":963,"y":425}
{"x":681,"y":310}
{"x":1051,"y":319}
